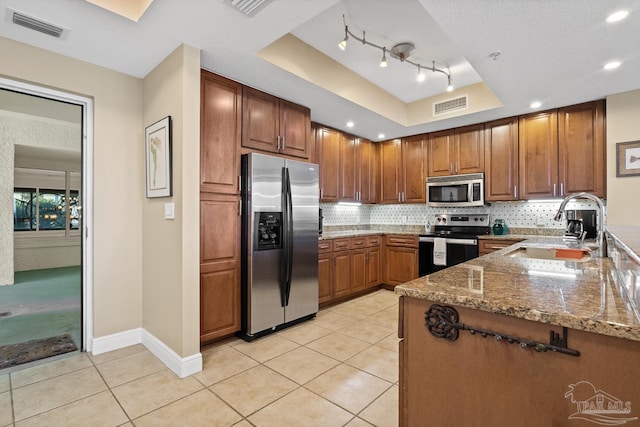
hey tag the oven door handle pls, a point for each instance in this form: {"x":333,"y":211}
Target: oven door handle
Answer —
{"x":449,"y":240}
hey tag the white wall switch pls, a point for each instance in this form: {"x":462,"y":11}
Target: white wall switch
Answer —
{"x":169,"y":211}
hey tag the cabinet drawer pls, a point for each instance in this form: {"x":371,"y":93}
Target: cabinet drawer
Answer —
{"x":341,"y":244}
{"x":407,"y":241}
{"x":373,"y":241}
{"x":324,"y":246}
{"x":358,"y":242}
{"x":491,"y":245}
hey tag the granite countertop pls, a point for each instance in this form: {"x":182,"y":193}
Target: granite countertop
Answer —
{"x":356,"y":233}
{"x":579,"y":295}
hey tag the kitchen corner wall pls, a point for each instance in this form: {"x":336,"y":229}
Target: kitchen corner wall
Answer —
{"x":516,"y":214}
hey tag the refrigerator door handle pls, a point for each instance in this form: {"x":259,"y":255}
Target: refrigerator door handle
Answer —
{"x":289,"y":236}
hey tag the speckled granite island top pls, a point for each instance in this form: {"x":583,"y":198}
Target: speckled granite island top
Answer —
{"x":578,"y":295}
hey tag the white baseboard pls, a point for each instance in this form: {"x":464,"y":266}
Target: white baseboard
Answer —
{"x":181,"y":366}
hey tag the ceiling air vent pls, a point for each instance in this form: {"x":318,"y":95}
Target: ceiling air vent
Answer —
{"x":248,"y":7}
{"x":450,"y":105}
{"x":36,"y":24}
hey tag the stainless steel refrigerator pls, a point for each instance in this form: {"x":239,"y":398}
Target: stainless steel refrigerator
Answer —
{"x":280,"y":200}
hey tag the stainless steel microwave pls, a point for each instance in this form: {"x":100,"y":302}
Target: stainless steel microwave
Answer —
{"x":456,"y":190}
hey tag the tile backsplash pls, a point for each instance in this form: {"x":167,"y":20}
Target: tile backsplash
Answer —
{"x":535,"y":214}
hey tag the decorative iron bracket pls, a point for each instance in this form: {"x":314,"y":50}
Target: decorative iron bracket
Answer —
{"x":442,"y":322}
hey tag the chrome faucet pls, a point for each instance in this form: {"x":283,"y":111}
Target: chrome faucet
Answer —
{"x":601,"y":240}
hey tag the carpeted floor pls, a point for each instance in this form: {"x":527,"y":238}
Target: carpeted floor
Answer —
{"x":41,"y":304}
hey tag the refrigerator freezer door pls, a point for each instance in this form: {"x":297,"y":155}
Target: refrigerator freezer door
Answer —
{"x":305,"y":194}
{"x":264,"y":308}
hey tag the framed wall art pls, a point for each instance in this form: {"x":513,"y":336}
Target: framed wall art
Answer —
{"x":628,"y":158}
{"x":157,"y":150}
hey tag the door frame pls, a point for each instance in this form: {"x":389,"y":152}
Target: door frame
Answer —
{"x":87,"y":191}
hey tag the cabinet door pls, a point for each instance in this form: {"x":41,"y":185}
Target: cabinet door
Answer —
{"x":219,"y":266}
{"x":390,"y":169}
{"x":221,"y":114}
{"x":373,"y":267}
{"x":414,"y":187}
{"x":366,"y":171}
{"x":538,"y":155}
{"x":469,"y":149}
{"x":501,"y":160}
{"x":347,"y":168}
{"x":325,"y":292}
{"x":401,"y":265}
{"x":295,"y":129}
{"x":440,"y":153}
{"x":341,"y":274}
{"x":581,"y":149}
{"x":328,"y":156}
{"x":260,"y":120}
{"x":358,"y":270}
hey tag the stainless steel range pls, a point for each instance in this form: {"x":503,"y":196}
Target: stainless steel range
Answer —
{"x":453,"y":240}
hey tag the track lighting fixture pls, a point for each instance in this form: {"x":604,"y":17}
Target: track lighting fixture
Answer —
{"x":400,"y":51}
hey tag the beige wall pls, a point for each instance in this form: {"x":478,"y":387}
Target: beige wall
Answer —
{"x":118,"y":166}
{"x":623,"y":114}
{"x":170,"y":248}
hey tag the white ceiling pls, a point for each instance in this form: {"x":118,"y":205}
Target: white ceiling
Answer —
{"x":552,"y":51}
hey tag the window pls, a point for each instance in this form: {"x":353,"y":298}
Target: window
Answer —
{"x":41,"y":209}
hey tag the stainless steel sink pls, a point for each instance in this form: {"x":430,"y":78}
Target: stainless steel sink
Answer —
{"x":551,"y":253}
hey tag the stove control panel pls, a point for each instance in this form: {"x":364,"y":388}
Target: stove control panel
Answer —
{"x":470,"y":220}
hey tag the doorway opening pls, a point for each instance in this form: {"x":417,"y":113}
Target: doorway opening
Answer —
{"x":46,"y":285}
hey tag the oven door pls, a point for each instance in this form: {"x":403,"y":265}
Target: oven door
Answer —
{"x":458,"y":251}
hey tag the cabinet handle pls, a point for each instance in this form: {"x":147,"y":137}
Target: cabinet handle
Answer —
{"x":451,"y":167}
{"x":239,"y":207}
{"x":283,"y":143}
{"x":562,"y":188}
{"x":554,"y":190}
{"x":456,"y":167}
{"x":278,"y":143}
{"x":515,"y":191}
{"x":239,"y":182}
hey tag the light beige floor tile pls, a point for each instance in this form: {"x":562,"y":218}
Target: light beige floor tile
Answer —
{"x":98,"y":410}
{"x":266,"y":348}
{"x":338,"y":346}
{"x":358,"y":422}
{"x":386,"y":318}
{"x":4,"y":383}
{"x":199,"y":409}
{"x":356,"y":311}
{"x":384,"y":411}
{"x":301,"y":364}
{"x":390,"y":342}
{"x":253,"y":389}
{"x":243,"y":423}
{"x":222,"y":362}
{"x":377,"y":361}
{"x":333,"y":321}
{"x":117,"y":354}
{"x":129,"y":368}
{"x":348,"y":387}
{"x":366,"y":331}
{"x":6,"y":415}
{"x":376,"y":302}
{"x":45,"y":395}
{"x":151,"y":392}
{"x":301,"y":408}
{"x":50,"y":370}
{"x":304,"y":332}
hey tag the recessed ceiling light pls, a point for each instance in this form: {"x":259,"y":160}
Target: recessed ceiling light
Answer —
{"x":611,"y":65}
{"x":617,"y":16}
{"x":535,"y":104}
{"x":381,"y":135}
{"x":349,"y":124}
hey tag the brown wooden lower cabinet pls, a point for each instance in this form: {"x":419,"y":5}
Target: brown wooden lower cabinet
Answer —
{"x":219,"y":266}
{"x":400,"y":259}
{"x":486,"y":246}
{"x":347,"y":266}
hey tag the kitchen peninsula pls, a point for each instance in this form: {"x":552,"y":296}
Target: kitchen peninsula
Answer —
{"x":516,"y":339}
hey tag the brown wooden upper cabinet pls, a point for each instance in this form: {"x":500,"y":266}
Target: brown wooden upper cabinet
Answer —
{"x":357,"y":170}
{"x":402,"y":170}
{"x":274,"y":125}
{"x":456,"y":151}
{"x":328,"y":155}
{"x":563,"y":151}
{"x":220,"y":126}
{"x":501,"y":160}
